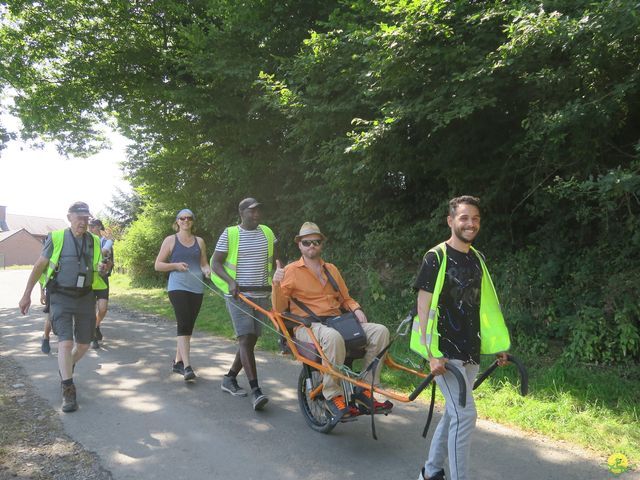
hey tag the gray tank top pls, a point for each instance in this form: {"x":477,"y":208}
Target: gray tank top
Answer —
{"x":185,"y":280}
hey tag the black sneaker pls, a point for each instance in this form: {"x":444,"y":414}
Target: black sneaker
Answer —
{"x":230,"y":385}
{"x":69,"y":403}
{"x":259,"y":399}
{"x":178,"y":367}
{"x":95,"y":345}
{"x":189,"y":374}
{"x":45,"y":347}
{"x":98,"y":334}
{"x":437,"y":476}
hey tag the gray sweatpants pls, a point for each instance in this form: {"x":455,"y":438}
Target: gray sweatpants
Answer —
{"x":452,"y":437}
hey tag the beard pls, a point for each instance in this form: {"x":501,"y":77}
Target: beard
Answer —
{"x":465,"y":236}
{"x":312,"y":254}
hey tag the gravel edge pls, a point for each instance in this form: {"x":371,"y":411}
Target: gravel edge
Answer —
{"x":33,"y":443}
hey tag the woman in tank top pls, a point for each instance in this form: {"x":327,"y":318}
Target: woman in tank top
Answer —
{"x":184,"y":256}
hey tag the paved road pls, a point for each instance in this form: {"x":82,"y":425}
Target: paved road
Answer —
{"x":144,"y":422}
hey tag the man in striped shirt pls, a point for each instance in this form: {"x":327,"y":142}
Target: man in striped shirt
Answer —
{"x":243,"y":261}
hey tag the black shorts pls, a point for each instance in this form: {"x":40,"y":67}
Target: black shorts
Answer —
{"x":103,"y":294}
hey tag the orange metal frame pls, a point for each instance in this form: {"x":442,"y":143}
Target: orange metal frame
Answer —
{"x":278,"y":322}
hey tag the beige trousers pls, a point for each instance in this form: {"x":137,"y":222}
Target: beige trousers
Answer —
{"x":333,"y":347}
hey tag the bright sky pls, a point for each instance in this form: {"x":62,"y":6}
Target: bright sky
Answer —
{"x":43,"y":183}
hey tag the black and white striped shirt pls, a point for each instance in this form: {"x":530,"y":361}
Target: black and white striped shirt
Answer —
{"x":253,"y":253}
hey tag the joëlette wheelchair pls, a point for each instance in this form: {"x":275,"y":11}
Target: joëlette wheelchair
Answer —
{"x":315,"y":365}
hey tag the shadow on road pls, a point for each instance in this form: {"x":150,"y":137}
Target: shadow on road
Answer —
{"x":144,"y":421}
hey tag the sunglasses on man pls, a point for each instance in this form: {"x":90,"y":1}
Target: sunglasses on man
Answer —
{"x":308,"y":243}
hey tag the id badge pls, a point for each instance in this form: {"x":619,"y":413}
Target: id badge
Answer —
{"x":80,"y":281}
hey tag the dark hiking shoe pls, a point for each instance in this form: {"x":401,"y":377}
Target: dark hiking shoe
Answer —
{"x":45,"y":347}
{"x":98,"y":335}
{"x":178,"y":367}
{"x":69,"y":403}
{"x":189,"y":374}
{"x":437,"y":476}
{"x":230,"y":385}
{"x":337,"y":407}
{"x":95,"y":345}
{"x":259,"y":399}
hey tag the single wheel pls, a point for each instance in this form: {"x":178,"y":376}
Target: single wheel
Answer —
{"x":313,"y":410}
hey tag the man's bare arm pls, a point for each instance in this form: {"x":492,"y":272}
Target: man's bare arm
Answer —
{"x":38,"y":269}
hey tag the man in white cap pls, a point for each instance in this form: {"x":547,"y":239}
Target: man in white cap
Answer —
{"x":70,"y":266}
{"x":310,"y":281}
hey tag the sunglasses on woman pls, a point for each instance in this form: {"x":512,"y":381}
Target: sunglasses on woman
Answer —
{"x":308,"y":243}
{"x":184,"y":219}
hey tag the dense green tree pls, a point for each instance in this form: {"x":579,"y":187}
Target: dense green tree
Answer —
{"x":366,"y":116}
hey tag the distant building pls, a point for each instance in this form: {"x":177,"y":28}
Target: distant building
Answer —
{"x":22,"y":236}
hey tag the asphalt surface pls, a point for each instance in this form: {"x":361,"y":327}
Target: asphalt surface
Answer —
{"x":145,"y":422}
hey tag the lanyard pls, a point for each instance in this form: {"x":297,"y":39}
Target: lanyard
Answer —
{"x":80,"y":252}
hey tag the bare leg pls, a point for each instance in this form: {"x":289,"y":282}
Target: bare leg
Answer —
{"x":246,"y":345}
{"x":78,"y":352}
{"x":65,"y":359}
{"x":183,"y":350}
{"x":101,"y":310}
{"x":47,"y":326}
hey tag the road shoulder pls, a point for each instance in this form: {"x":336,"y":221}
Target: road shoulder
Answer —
{"x":33,"y":443}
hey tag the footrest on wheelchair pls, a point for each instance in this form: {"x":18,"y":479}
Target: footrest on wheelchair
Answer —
{"x":350,"y":418}
{"x":385,"y":409}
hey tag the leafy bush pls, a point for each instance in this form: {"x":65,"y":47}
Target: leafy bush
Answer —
{"x":139,"y":247}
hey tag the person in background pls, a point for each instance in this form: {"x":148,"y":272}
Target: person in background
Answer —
{"x":45,"y":345}
{"x":184,"y":256}
{"x":96,"y":227}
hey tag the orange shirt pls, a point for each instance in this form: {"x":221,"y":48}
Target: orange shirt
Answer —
{"x":301,"y":283}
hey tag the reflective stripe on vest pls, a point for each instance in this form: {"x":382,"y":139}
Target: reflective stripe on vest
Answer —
{"x":57,"y":238}
{"x":494,"y":336}
{"x":231,"y":262}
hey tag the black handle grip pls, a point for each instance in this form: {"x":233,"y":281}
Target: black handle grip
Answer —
{"x":425,"y":383}
{"x":522,"y":371}
{"x":483,"y":376}
{"x":462,"y":399}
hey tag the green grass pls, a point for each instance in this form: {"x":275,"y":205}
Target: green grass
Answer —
{"x":594,"y":407}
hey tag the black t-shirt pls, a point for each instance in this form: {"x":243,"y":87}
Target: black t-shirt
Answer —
{"x":459,"y":302}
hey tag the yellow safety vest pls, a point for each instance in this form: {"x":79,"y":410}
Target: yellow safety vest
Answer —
{"x":494,"y":336}
{"x":231,"y":262}
{"x":57,"y":238}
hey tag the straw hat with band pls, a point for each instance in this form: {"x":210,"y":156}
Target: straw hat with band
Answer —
{"x":308,"y":228}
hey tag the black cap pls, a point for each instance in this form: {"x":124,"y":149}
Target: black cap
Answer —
{"x":80,"y":208}
{"x":95,"y":222}
{"x":248,"y":203}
